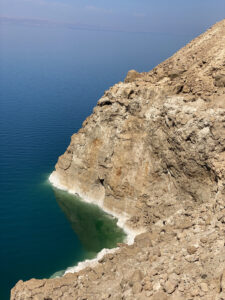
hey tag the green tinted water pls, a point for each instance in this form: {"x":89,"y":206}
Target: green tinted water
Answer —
{"x":94,"y":228}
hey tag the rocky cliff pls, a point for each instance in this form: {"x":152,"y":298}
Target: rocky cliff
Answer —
{"x":153,"y":153}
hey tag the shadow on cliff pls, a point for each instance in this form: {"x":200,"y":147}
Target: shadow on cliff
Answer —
{"x":95,"y":229}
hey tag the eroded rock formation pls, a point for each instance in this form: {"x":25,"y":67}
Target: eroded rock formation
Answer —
{"x":154,"y":151}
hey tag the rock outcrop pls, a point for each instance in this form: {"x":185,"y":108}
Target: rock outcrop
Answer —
{"x":153,"y":151}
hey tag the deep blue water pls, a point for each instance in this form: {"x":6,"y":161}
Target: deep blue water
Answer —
{"x":50,"y":80}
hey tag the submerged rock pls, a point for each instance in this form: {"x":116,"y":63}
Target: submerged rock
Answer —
{"x":153,"y":152}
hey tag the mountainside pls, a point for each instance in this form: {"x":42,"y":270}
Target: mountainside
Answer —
{"x":153,"y":153}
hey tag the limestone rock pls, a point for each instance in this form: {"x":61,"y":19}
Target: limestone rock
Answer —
{"x":222,"y":282}
{"x":171,"y":284}
{"x":144,"y":240}
{"x":204,"y":287}
{"x":191,"y":249}
{"x":132,"y":75}
{"x":154,"y":151}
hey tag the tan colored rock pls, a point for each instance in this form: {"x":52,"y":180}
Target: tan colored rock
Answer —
{"x":222,"y":281}
{"x":147,"y":284}
{"x":194,"y":292}
{"x":204,"y":239}
{"x":144,"y":239}
{"x":137,"y":276}
{"x":153,"y":151}
{"x":191,"y":249}
{"x":137,"y":288}
{"x":161,"y":296}
{"x":132,"y":75}
{"x":177,"y":297}
{"x":171,"y":284}
{"x":204,"y":287}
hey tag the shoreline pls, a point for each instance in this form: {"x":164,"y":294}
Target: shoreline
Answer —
{"x":130,"y":233}
{"x":153,"y":149}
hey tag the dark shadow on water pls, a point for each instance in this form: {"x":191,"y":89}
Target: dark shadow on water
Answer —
{"x":95,"y":229}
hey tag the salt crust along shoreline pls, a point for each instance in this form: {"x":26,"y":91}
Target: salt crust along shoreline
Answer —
{"x":130,"y":233}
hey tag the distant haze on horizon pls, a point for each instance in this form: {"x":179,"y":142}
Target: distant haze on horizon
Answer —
{"x":160,"y":16}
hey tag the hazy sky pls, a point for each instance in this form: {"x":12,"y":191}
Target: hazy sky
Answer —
{"x":175,"y":16}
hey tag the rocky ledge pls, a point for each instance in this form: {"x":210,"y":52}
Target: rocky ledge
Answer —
{"x":153,"y":152}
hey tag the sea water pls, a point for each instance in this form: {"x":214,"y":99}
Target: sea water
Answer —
{"x":50,"y":80}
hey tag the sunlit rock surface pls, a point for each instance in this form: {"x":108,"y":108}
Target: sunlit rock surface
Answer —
{"x":153,"y":153}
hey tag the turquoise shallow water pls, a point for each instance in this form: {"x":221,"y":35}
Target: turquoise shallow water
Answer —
{"x":50,"y":80}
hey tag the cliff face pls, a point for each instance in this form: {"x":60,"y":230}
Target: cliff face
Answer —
{"x":157,"y":139}
{"x":154,"y":151}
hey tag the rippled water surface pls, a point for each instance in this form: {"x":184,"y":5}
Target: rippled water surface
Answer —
{"x":50,"y":80}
